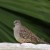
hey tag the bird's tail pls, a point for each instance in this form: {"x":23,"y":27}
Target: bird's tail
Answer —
{"x":42,"y":41}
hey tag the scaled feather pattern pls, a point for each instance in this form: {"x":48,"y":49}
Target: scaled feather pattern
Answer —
{"x":24,"y":35}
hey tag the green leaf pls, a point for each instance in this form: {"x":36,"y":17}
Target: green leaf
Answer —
{"x":35,"y":15}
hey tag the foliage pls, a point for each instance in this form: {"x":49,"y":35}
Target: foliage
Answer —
{"x":34,"y":14}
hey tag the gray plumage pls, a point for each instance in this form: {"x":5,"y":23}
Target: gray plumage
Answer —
{"x":24,"y":35}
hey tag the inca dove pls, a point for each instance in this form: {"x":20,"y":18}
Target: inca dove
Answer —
{"x":24,"y":35}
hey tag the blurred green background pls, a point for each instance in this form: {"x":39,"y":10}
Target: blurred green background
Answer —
{"x":34,"y":14}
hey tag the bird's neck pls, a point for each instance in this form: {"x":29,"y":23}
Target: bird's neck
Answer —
{"x":17,"y":31}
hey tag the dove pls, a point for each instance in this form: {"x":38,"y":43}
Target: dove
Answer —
{"x":24,"y":35}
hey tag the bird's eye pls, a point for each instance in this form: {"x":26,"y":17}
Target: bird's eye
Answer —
{"x":15,"y":22}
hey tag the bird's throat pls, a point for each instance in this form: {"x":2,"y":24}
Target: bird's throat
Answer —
{"x":17,"y":31}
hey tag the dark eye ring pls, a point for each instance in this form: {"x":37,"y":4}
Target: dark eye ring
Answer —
{"x":15,"y":22}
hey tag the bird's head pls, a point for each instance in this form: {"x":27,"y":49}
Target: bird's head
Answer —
{"x":17,"y":22}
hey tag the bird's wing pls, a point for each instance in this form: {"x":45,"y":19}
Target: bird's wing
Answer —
{"x":28,"y":35}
